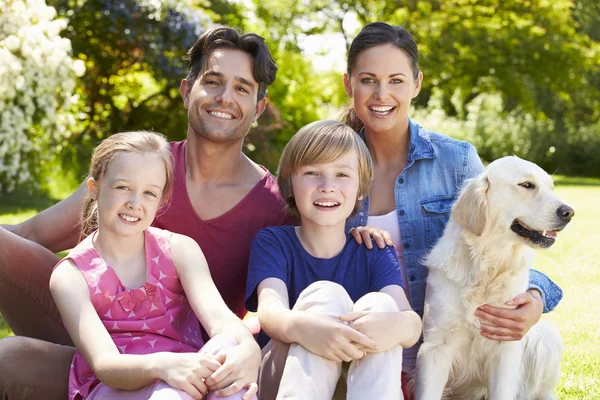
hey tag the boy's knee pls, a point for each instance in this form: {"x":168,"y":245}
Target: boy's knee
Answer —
{"x":326,"y":286}
{"x":324,"y":297}
{"x":376,"y":301}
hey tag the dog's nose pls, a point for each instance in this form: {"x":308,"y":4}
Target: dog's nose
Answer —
{"x":565,"y":212}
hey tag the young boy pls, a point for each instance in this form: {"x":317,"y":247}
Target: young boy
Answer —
{"x":322,"y":298}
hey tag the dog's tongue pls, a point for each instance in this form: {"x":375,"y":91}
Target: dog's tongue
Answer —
{"x":549,"y":234}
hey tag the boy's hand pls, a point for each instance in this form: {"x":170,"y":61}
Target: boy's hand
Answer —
{"x":368,"y":233}
{"x":332,"y":339}
{"x":186,"y":371}
{"x":239,"y":370}
{"x":374,"y":325}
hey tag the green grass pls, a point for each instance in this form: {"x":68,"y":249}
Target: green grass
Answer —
{"x":573,"y":263}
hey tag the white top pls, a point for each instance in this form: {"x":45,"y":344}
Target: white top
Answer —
{"x":390,"y":223}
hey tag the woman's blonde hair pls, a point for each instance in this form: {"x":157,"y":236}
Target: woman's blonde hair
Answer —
{"x":139,"y":142}
{"x":322,"y":142}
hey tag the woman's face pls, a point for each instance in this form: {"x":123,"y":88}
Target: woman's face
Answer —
{"x":381,"y":85}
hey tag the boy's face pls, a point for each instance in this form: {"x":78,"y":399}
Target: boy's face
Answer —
{"x":326,"y":194}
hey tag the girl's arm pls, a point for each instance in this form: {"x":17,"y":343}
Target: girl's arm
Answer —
{"x":241,"y":363}
{"x":389,"y":328}
{"x":321,"y":335}
{"x":72,"y":297}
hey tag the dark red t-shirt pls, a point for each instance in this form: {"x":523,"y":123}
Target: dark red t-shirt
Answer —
{"x":225,"y":240}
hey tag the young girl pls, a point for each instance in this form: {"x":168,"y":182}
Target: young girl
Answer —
{"x":322,"y":298}
{"x":131,"y":295}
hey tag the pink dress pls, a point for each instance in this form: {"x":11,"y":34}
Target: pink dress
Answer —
{"x":153,"y":318}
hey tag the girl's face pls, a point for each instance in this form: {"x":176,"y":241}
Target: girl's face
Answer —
{"x":382,"y":85}
{"x":326,"y":193}
{"x":129,"y":193}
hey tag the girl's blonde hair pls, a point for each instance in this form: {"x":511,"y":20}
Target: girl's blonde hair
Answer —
{"x":139,"y":142}
{"x":322,"y":142}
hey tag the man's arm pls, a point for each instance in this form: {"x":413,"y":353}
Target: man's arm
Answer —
{"x":56,"y":228}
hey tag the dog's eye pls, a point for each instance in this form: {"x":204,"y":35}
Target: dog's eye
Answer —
{"x":527,"y":185}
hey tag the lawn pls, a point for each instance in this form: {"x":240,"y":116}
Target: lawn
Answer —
{"x":573,"y":263}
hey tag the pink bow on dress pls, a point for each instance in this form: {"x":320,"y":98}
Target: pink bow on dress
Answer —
{"x":130,"y":299}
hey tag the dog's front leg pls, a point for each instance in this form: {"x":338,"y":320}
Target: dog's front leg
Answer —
{"x":505,"y":376}
{"x":434,"y":362}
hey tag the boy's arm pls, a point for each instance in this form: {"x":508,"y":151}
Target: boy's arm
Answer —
{"x":405,"y":323}
{"x":389,"y":329}
{"x":319,"y":334}
{"x":241,"y":363}
{"x":122,"y":371}
{"x":56,"y":228}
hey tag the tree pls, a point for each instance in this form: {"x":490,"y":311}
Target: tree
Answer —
{"x":37,"y":76}
{"x":134,"y":51}
{"x":539,"y":58}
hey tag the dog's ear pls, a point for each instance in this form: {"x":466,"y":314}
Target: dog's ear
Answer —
{"x":470,"y":208}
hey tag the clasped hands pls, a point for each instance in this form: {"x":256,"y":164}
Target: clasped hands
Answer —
{"x":348,"y":337}
{"x":225,"y":373}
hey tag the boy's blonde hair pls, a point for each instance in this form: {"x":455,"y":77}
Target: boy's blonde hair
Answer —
{"x":322,"y":142}
{"x":139,"y":142}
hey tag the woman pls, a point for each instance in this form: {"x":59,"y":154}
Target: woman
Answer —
{"x":417,"y":174}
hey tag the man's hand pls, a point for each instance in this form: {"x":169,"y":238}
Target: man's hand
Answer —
{"x":239,"y":370}
{"x":505,"y":324}
{"x":332,"y":339}
{"x":368,"y":233}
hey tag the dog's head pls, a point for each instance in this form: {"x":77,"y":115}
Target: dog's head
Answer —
{"x":515,"y":196}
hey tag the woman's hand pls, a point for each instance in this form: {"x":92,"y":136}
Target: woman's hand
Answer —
{"x":368,"y":233}
{"x":332,"y":339}
{"x":186,"y":371}
{"x":505,"y":324}
{"x":239,"y":370}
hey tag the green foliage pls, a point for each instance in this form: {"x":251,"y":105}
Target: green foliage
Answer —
{"x":37,"y":77}
{"x":300,"y":95}
{"x":517,"y":77}
{"x":133,"y":51}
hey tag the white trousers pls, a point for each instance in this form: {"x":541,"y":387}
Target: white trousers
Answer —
{"x":293,"y":372}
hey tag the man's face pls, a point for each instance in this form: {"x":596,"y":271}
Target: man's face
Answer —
{"x":222,"y":102}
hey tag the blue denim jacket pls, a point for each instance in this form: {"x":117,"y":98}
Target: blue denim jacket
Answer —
{"x":425,"y":191}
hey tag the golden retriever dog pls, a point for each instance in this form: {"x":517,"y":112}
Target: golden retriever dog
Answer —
{"x":484,"y":257}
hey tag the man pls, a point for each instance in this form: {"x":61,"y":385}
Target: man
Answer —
{"x":221,"y":199}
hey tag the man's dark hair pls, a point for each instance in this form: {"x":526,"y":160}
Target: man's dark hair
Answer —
{"x":264,"y":68}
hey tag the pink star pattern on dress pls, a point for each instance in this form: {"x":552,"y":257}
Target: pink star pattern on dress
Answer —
{"x":142,"y":320}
